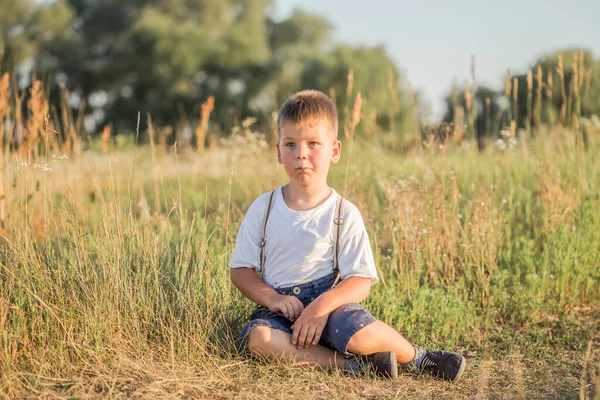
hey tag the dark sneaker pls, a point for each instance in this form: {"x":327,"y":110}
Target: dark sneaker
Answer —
{"x":441,"y":364}
{"x":384,"y":364}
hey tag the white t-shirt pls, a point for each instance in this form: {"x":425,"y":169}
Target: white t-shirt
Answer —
{"x":299,"y":246}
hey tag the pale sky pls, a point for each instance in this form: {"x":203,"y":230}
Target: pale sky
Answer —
{"x":431,"y":41}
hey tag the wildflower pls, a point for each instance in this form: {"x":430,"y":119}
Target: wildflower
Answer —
{"x":424,"y":231}
{"x":459,"y":216}
{"x":63,"y":157}
{"x":504,"y":201}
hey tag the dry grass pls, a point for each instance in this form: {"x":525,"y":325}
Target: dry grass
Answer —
{"x":507,"y":378}
{"x":113,"y":266}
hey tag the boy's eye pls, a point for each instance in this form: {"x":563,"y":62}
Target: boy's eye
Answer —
{"x":289,"y":144}
{"x":313,"y":144}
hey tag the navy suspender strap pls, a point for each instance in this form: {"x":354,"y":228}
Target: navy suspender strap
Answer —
{"x":338,"y":221}
{"x":263,"y":240}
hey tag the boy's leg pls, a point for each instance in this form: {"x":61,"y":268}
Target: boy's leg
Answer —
{"x":277,"y":345}
{"x":378,"y":337}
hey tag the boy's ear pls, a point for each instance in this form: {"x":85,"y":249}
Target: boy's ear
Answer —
{"x":337,"y":152}
{"x":279,"y":154}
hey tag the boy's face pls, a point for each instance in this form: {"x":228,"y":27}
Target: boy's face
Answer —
{"x":306,"y":152}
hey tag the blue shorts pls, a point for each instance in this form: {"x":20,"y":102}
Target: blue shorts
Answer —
{"x":342,"y":323}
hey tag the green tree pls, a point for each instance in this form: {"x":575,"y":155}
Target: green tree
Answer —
{"x":490,"y":106}
{"x":26,"y":29}
{"x":374,"y":76}
{"x":558,"y":106}
{"x":294,"y":42}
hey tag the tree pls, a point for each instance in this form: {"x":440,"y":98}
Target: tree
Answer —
{"x":564,"y":94}
{"x":374,"y":75}
{"x":27,"y":29}
{"x":487,"y":104}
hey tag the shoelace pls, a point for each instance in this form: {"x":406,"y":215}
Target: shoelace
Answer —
{"x":430,"y":360}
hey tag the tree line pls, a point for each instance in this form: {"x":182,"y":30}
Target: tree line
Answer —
{"x":167,"y":58}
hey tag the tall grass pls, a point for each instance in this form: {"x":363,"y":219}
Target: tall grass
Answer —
{"x":113,"y":258}
{"x":476,"y":251}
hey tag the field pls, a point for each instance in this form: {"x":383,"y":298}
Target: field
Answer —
{"x":114,"y":278}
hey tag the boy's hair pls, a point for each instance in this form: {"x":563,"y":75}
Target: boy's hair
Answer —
{"x":309,"y":107}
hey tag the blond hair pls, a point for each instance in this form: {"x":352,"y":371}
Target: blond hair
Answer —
{"x":309,"y":107}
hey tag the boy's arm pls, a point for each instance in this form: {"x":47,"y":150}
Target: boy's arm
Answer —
{"x":353,"y":289}
{"x":252,"y":287}
{"x":309,"y":326}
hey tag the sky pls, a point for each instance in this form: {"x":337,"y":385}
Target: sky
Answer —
{"x":431,"y":41}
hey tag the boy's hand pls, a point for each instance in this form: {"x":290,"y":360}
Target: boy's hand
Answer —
{"x":309,"y":326}
{"x":291,"y":307}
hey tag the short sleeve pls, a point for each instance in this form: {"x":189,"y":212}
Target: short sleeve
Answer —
{"x":355,"y":253}
{"x":246,"y":253}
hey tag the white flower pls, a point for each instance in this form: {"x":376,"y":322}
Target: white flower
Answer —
{"x":499,"y":144}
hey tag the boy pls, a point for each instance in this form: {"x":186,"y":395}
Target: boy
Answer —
{"x":297,"y":236}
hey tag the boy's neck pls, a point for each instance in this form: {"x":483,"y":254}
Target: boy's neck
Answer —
{"x":302,"y":198}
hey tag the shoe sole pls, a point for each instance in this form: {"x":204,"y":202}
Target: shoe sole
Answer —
{"x":394,"y":366}
{"x":389,"y":368}
{"x":461,"y":369}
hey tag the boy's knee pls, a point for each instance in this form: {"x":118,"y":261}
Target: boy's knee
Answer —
{"x":258,"y":338}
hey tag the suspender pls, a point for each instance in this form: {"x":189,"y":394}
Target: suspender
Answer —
{"x":338,"y":221}
{"x":263,"y":240}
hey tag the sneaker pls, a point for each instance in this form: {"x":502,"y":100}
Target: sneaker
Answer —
{"x":384,"y":364}
{"x":441,"y":364}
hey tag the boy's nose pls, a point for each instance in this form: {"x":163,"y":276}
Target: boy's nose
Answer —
{"x":302,"y":153}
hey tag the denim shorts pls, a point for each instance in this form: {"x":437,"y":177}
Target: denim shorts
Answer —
{"x":342,"y":323}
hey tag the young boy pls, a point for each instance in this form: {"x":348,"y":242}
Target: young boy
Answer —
{"x":297,"y":236}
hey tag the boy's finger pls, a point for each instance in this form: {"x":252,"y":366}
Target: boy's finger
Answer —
{"x":298,"y":308}
{"x":298,"y":302}
{"x":292,"y":315}
{"x":317,"y":337}
{"x":284,"y":310}
{"x":296,"y":330}
{"x":310,"y":336}
{"x":302,"y":336}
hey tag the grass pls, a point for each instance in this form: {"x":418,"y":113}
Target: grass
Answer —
{"x":114,"y":278}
